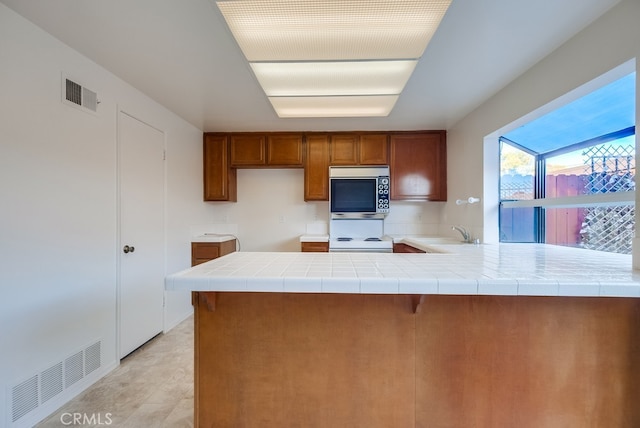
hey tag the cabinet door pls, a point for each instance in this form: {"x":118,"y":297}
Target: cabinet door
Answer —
{"x":248,"y":150}
{"x":284,"y":150}
{"x":419,"y":166}
{"x":219,"y":178}
{"x":374,"y":149}
{"x":316,"y":171}
{"x":314,"y":247}
{"x":404,"y":248}
{"x":204,"y":251}
{"x":344,"y":149}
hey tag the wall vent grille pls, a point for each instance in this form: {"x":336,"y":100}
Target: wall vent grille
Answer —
{"x":51,"y":382}
{"x":79,"y":96}
{"x":31,"y":393}
{"x":73,"y":370}
{"x":24,"y":397}
{"x":92,"y":359}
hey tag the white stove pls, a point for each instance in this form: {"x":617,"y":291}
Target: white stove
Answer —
{"x":358,"y":234}
{"x":383,"y":244}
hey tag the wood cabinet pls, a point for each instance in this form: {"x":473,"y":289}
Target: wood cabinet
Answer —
{"x":314,"y":247}
{"x":344,"y":149}
{"x":248,"y":150}
{"x":374,"y":149}
{"x":417,"y":160}
{"x":204,"y":251}
{"x":359,"y":149}
{"x":261,"y":150}
{"x":348,"y":149}
{"x":419,"y":166}
{"x":285,"y":150}
{"x":404,"y":248}
{"x":219,"y":178}
{"x":316,"y":169}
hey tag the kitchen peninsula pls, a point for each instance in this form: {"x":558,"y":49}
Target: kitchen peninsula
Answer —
{"x":490,"y":335}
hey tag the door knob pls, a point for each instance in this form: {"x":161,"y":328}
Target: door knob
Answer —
{"x":128,"y":249}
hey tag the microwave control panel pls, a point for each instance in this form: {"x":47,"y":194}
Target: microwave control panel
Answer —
{"x":383,"y":194}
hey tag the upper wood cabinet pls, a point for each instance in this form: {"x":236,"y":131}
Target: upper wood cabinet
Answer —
{"x":260,"y":150}
{"x":285,"y":150}
{"x":419,"y":166}
{"x":316,"y":169}
{"x":344,"y":149}
{"x":417,"y":160}
{"x":219,"y":178}
{"x":248,"y":150}
{"x":359,"y":149}
{"x":374,"y":149}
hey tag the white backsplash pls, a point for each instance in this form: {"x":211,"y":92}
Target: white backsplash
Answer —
{"x":271,"y":213}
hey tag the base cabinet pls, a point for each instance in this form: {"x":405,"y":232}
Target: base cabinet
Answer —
{"x":204,"y":251}
{"x":404,"y":248}
{"x":314,"y":247}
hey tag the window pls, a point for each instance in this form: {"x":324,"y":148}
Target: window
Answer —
{"x":568,"y":178}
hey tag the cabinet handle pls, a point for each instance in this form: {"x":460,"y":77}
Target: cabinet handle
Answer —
{"x":128,"y":249}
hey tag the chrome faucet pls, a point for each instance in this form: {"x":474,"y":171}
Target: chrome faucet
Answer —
{"x":466,"y":236}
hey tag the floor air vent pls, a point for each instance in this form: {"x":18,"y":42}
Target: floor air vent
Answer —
{"x":79,"y":96}
{"x":29,"y":394}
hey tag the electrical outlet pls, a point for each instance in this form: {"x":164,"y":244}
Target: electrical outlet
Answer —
{"x":281,"y":219}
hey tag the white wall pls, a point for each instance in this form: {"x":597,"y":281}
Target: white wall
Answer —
{"x":472,"y":166}
{"x":271,"y":214}
{"x":58,"y":210}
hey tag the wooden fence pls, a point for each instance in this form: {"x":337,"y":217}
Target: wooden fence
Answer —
{"x":562,"y":224}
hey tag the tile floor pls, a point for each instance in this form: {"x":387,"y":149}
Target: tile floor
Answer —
{"x":152,"y":387}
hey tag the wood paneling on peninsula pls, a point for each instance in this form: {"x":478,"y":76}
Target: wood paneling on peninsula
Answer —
{"x":346,"y":360}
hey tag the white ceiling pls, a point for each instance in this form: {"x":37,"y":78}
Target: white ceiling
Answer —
{"x":181,"y":54}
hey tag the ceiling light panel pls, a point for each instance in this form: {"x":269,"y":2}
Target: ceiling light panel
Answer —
{"x":303,"y":30}
{"x":356,"y":106}
{"x":333,"y":78}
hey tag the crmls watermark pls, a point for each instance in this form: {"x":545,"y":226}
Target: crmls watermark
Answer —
{"x":86,"y":419}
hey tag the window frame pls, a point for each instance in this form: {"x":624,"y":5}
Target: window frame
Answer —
{"x":540,"y":202}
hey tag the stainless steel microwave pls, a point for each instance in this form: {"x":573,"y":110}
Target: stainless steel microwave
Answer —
{"x":359,"y":190}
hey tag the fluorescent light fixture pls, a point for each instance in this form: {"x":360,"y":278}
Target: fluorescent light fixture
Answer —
{"x":358,"y":54}
{"x":308,"y":30}
{"x":333,"y":78}
{"x":354,"y":106}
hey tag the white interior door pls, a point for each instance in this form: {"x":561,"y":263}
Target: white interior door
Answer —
{"x":141,"y":241}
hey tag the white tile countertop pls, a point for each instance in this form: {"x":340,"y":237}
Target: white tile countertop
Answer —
{"x":501,"y":269}
{"x":314,"y":238}
{"x":213,"y":237}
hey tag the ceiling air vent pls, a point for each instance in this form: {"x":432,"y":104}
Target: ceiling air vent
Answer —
{"x":80,"y":96}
